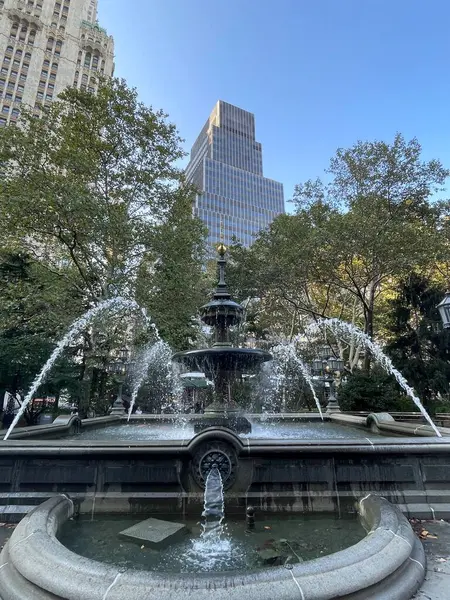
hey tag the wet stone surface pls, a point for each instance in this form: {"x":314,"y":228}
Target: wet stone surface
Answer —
{"x":154,"y":533}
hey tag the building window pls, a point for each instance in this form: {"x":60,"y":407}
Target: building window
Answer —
{"x":44,"y":73}
{"x":5,"y":109}
{"x":15,"y":112}
{"x":8,"y":96}
{"x":2,"y":122}
{"x":27,"y":56}
{"x":40,"y":95}
{"x":20,"y":88}
{"x":18,"y":99}
{"x":9,"y":49}
{"x":51,"y":86}
{"x":52,"y":77}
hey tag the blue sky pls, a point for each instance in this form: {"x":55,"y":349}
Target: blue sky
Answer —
{"x":318,"y":74}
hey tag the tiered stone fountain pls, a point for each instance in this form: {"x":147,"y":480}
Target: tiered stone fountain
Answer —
{"x":223,"y":363}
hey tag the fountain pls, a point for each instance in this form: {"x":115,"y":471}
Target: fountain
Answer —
{"x":75,"y":329}
{"x":222,"y":363}
{"x":147,"y":466}
{"x":337,"y":326}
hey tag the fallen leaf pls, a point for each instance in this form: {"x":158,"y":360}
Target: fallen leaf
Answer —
{"x":430,"y":536}
{"x":267,"y":527}
{"x":142,"y":547}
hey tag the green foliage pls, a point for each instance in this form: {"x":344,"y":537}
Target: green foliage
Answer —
{"x":374,"y":392}
{"x":89,"y":183}
{"x":418,"y":345}
{"x":349,"y":241}
{"x":174,"y":268}
{"x":91,"y":200}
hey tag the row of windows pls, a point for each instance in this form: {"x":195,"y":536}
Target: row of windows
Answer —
{"x":13,"y":72}
{"x":235,"y":207}
{"x":54,"y":47}
{"x":231,"y":223}
{"x":237,"y":152}
{"x":23,"y":34}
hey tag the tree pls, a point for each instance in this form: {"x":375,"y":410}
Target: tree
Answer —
{"x":89,"y":184}
{"x":418,"y":345}
{"x":385,"y":226}
{"x":373,"y":392}
{"x":92,"y":193}
{"x":34,"y":311}
{"x":174,"y":268}
{"x":349,"y":241}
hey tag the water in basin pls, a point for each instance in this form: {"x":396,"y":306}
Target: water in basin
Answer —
{"x":153,"y":431}
{"x":276,"y":540}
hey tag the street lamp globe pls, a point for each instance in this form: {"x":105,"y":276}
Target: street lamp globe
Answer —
{"x":336,"y":364}
{"x":317,"y":365}
{"x":444,"y":310}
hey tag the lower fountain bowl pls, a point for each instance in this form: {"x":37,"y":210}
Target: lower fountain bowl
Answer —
{"x":387,"y":563}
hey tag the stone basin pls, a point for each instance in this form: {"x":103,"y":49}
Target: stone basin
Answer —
{"x":389,"y":563}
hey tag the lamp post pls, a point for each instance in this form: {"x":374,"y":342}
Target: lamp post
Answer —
{"x":326,"y":368}
{"x":119,"y":368}
{"x":444,"y":310}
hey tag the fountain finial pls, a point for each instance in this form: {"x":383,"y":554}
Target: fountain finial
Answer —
{"x":221,"y":249}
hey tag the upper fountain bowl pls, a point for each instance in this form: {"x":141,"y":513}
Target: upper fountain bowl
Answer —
{"x":227,"y":358}
{"x":221,"y":311}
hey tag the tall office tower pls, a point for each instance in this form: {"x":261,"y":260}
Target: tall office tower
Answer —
{"x":234,"y":199}
{"x":45,"y":46}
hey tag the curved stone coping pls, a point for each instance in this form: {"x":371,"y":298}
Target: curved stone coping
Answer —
{"x":61,"y":425}
{"x":389,"y":563}
{"x":420,"y":446}
{"x":385,"y":423}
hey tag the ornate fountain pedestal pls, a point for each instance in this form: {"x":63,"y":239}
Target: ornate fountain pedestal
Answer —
{"x":218,"y":415}
{"x":222,"y":363}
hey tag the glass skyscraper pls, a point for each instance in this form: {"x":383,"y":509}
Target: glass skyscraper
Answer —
{"x":226,"y":167}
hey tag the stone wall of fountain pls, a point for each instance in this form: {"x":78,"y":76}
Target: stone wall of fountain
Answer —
{"x":274,"y":475}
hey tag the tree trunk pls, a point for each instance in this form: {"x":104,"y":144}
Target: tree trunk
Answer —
{"x":368,"y":329}
{"x":85,"y":398}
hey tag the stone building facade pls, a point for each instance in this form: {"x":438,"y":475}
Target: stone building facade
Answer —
{"x":45,"y":46}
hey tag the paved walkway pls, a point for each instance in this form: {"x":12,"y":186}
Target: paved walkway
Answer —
{"x":437,"y":581}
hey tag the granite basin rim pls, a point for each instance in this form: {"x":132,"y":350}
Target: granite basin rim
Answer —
{"x":390,"y":559}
